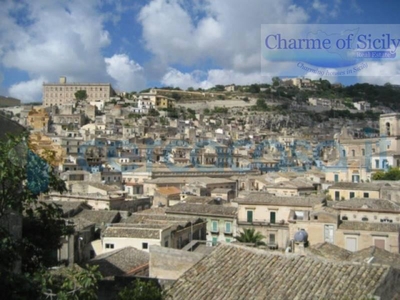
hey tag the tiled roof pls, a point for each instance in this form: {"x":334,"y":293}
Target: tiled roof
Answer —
{"x":367,"y":204}
{"x":120,"y":261}
{"x":355,"y":186}
{"x":268,"y":199}
{"x":99,"y":217}
{"x":329,"y":251}
{"x":236,"y":272}
{"x":202,"y":210}
{"x":368,"y":226}
{"x":168,"y":190}
{"x":380,"y":256}
{"x":133,"y":232}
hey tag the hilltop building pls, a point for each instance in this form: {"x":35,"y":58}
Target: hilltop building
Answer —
{"x":62,"y":93}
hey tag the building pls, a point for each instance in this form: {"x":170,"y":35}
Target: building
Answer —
{"x":320,"y":102}
{"x":237,"y":272}
{"x":362,"y":105}
{"x":57,"y":94}
{"x":230,"y":88}
{"x":38,"y":120}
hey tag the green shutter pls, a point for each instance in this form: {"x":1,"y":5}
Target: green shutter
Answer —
{"x":250,"y":216}
{"x":272,"y":217}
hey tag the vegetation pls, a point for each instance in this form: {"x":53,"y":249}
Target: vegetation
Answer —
{"x":81,"y":95}
{"x":153,"y":112}
{"x":32,"y":249}
{"x":391,"y":174}
{"x":250,"y":235}
{"x":141,"y":290}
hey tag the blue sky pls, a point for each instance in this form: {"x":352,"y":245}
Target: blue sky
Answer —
{"x":139,"y":44}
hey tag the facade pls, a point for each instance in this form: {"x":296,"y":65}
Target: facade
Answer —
{"x":38,"y":120}
{"x":57,"y":94}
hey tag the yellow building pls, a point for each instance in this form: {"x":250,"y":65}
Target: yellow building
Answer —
{"x":164,"y":102}
{"x":349,"y":190}
{"x":46,"y":149}
{"x":38,"y":120}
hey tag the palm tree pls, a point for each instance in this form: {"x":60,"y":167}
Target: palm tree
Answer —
{"x":249,"y":235}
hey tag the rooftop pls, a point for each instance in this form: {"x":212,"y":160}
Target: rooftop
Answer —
{"x":120,"y":261}
{"x":202,"y":210}
{"x":268,"y":199}
{"x":237,"y":272}
{"x":367,"y":204}
{"x":367,"y":226}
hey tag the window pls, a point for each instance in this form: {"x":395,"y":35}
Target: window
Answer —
{"x":365,"y":219}
{"x":214,"y":226}
{"x":166,"y":244}
{"x":345,"y":218}
{"x":379,"y":243}
{"x":366,"y":195}
{"x":214,"y":240}
{"x":351,"y":244}
{"x":376,"y":163}
{"x":353,"y":153}
{"x":228,"y":227}
{"x":363,"y":152}
{"x":328,"y":233}
{"x":337,"y":195}
{"x":145,"y":246}
{"x":272,"y":217}
{"x":109,"y":246}
{"x":336,"y":177}
{"x":352,"y":195}
{"x":250,"y":216}
{"x":272,"y":238}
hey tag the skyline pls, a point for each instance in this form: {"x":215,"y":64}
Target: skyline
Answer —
{"x":176,"y":43}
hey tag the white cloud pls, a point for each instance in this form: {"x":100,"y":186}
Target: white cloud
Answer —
{"x":381,"y":73}
{"x":318,"y":6}
{"x":226,"y":32}
{"x":127,"y":73}
{"x":205,"y":80}
{"x":28,"y":91}
{"x":47,"y":39}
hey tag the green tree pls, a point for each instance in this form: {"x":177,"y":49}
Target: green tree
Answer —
{"x":254,"y":89}
{"x":153,"y":112}
{"x":190,"y":89}
{"x":71,"y":283}
{"x":81,"y":95}
{"x":141,"y":290}
{"x":391,"y":174}
{"x":275,"y":81}
{"x":261,"y":104}
{"x":219,"y":88}
{"x":250,"y":235}
{"x":23,"y":177}
{"x":176,"y":96}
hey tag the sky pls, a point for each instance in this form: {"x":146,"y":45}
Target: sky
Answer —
{"x":136,"y":44}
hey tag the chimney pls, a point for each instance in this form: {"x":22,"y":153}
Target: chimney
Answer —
{"x":63,"y":80}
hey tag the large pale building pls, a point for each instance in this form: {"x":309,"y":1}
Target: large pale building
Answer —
{"x":64,"y":93}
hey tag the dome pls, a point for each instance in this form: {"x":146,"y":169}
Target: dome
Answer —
{"x":301,"y":236}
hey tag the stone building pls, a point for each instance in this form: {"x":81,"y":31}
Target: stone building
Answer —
{"x":63,"y":93}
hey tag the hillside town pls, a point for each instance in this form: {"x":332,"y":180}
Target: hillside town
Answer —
{"x":179,"y":186}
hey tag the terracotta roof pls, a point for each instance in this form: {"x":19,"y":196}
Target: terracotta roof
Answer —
{"x":168,"y":190}
{"x":367,"y":204}
{"x":99,"y":217}
{"x":368,"y":226}
{"x":133,"y":232}
{"x":236,"y":272}
{"x":268,"y":199}
{"x":120,"y":261}
{"x":355,"y":186}
{"x":329,"y":251}
{"x":202,"y":210}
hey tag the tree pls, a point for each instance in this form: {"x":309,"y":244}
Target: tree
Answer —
{"x":141,"y":290}
{"x":391,"y":174}
{"x":190,"y":89}
{"x":250,"y":235}
{"x":254,"y":89}
{"x":23,"y":177}
{"x":81,"y":95}
{"x":176,"y":96}
{"x":261,"y":105}
{"x":219,"y":88}
{"x":276,"y":81}
{"x":153,"y":112}
{"x":71,"y":283}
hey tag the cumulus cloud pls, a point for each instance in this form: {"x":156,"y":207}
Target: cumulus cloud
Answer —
{"x":205,"y":80}
{"x":47,"y":39}
{"x":226,"y":32}
{"x":380,"y":73}
{"x":28,"y":91}
{"x":128,"y":74}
